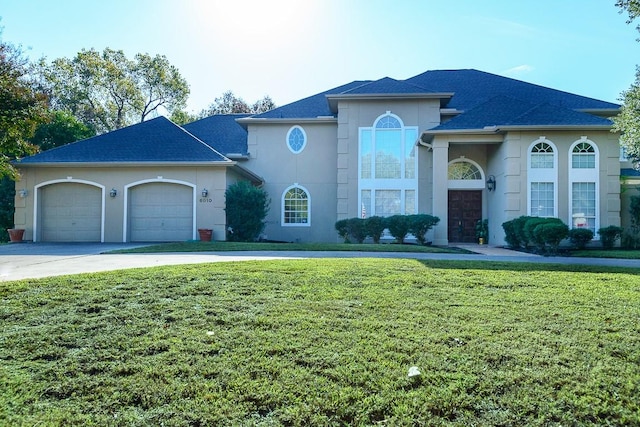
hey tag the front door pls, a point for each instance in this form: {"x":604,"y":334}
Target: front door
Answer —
{"x":465,"y":209}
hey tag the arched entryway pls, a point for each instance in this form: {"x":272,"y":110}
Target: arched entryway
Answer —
{"x":466,"y":185}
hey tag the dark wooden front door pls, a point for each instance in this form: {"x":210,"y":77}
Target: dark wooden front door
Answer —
{"x":465,"y":209}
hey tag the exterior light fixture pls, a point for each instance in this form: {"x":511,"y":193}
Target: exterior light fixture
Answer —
{"x":23,"y":193}
{"x":491,"y":183}
{"x":113,"y":192}
{"x":205,"y":192}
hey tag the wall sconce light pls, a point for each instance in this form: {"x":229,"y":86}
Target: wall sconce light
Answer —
{"x":491,"y":183}
{"x":23,"y":193}
{"x":113,"y":192}
{"x":205,"y":192}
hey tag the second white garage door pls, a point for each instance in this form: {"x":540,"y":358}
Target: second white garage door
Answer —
{"x":160,"y":212}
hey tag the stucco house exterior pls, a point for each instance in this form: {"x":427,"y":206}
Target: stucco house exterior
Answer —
{"x":462,"y":145}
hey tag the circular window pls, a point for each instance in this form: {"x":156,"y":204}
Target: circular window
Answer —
{"x":296,"y":139}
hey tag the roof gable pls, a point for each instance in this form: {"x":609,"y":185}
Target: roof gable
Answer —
{"x":156,"y":140}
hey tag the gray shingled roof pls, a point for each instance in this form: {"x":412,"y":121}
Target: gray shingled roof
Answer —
{"x":504,"y":111}
{"x":222,"y":133}
{"x":156,"y":140}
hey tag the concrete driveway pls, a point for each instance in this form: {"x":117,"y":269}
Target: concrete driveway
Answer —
{"x":36,"y":260}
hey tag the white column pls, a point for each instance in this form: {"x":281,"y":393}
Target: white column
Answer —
{"x":440,"y":191}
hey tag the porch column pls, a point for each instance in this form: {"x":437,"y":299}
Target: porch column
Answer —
{"x":440,"y":191}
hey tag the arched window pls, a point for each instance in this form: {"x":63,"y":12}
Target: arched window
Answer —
{"x":387,"y":167}
{"x":296,"y":139}
{"x":543,"y":178}
{"x":296,"y":207}
{"x":465,"y":174}
{"x":583,"y":185}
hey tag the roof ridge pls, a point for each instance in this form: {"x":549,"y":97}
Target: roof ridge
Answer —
{"x":199,"y":140}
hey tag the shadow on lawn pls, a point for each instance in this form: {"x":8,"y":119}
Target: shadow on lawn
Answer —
{"x":528,"y":266}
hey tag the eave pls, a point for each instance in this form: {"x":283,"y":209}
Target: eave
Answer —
{"x":224,"y":163}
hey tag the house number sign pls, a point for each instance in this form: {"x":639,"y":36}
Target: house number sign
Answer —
{"x":206,"y":200}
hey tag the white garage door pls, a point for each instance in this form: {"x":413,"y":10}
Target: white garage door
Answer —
{"x":160,"y":212}
{"x":70,"y":212}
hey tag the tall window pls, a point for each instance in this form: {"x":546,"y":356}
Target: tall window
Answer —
{"x":296,"y":207}
{"x":543,"y":178}
{"x":387,"y":167}
{"x":583,"y":179}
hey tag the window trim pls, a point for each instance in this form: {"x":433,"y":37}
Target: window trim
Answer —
{"x":282,"y":207}
{"x":374,"y":184}
{"x":304,"y":135}
{"x":543,"y":174}
{"x":584,"y":175}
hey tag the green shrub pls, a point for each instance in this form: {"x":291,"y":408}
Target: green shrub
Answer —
{"x":342,"y":227}
{"x":482,"y":230}
{"x":246,"y":208}
{"x":514,"y":232}
{"x":357,"y":229}
{"x":579,"y":237}
{"x":398,"y":227}
{"x":537,"y":239}
{"x":375,"y":226}
{"x":550,"y":234}
{"x":420,"y":224}
{"x":609,"y":235}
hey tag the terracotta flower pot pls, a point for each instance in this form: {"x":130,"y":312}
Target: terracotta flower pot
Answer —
{"x":205,"y":234}
{"x":15,"y":234}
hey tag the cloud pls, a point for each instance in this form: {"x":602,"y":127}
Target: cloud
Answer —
{"x":520,"y":69}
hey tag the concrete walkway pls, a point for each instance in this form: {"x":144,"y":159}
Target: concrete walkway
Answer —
{"x":36,"y":260}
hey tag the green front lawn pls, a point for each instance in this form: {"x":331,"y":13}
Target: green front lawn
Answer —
{"x":323,"y":342}
{"x":198,"y":246}
{"x":608,"y":253}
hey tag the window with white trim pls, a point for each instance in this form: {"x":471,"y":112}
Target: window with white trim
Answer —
{"x":296,"y":139}
{"x":583,"y":182}
{"x":296,"y":207}
{"x":542,"y":173}
{"x":387,"y":167}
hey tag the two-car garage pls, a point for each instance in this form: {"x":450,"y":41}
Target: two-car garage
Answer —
{"x":155,"y":212}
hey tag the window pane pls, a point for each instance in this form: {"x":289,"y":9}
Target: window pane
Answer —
{"x":463,"y":170}
{"x":410,"y":137}
{"x":583,"y":161}
{"x":583,"y":209}
{"x":542,"y":202}
{"x":365,"y":198}
{"x":388,"y":154}
{"x":410,"y":202}
{"x":542,"y":161}
{"x":296,"y":207}
{"x":365,"y":154}
{"x":388,"y":202}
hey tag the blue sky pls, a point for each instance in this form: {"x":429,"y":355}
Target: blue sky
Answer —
{"x":291,"y":49}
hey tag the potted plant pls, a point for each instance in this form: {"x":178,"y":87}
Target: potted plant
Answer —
{"x":482,"y":231}
{"x":15,"y":234}
{"x":205,"y":234}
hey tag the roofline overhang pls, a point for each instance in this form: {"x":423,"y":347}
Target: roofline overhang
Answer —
{"x":335,"y":97}
{"x":256,"y":179}
{"x":287,"y":120}
{"x":224,"y":163}
{"x":428,"y":135}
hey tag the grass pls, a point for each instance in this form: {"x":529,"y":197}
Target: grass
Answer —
{"x":198,"y":246}
{"x":323,"y":342}
{"x":607,"y":253}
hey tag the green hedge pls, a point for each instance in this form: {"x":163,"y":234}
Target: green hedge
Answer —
{"x":357,"y":229}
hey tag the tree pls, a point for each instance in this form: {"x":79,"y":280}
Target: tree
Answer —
{"x":60,"y":129}
{"x":229,"y":103}
{"x":628,"y":121}
{"x":107,"y":91}
{"x":246,"y":208}
{"x":22,"y":107}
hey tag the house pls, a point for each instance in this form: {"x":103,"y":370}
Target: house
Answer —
{"x":462,"y":145}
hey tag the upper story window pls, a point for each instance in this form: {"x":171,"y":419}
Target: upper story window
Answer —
{"x":542,"y":156}
{"x":583,"y":156}
{"x":296,"y":139}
